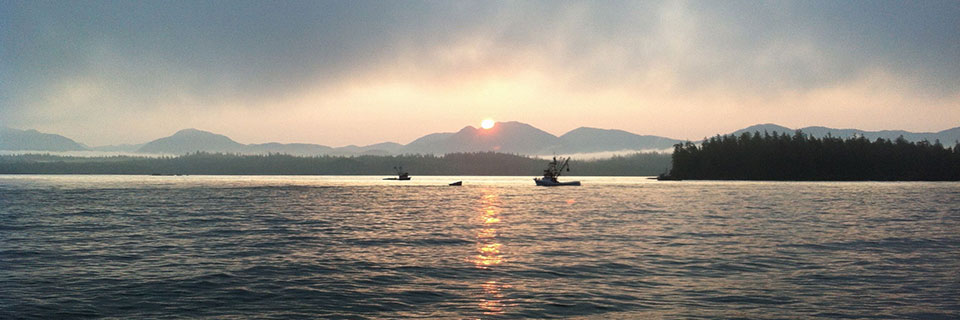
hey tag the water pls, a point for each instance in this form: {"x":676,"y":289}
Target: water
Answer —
{"x":498,"y":247}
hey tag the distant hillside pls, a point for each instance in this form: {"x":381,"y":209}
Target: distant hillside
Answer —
{"x":950,"y":136}
{"x":522,"y":138}
{"x":296,"y":149}
{"x":426,"y":142}
{"x":33,"y":140}
{"x":947,"y":137}
{"x":584,"y":139}
{"x":388,"y":147}
{"x":508,"y":137}
{"x":192,"y":140}
{"x":766,"y":127}
{"x":383,"y":148}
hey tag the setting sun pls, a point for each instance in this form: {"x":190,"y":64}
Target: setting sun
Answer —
{"x":487,"y":123}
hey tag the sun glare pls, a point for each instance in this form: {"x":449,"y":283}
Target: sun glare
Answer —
{"x":487,"y":123}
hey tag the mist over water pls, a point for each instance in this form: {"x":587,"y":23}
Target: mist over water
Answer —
{"x":498,"y":247}
{"x":604,"y":154}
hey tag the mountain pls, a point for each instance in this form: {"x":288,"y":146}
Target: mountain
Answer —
{"x":426,"y":142}
{"x":379,"y":149}
{"x":192,"y":140}
{"x":947,"y":137}
{"x":766,"y":127}
{"x":586,"y":139}
{"x":296,"y":149}
{"x":522,"y":138}
{"x":33,"y":140}
{"x":382,"y":148}
{"x":506,"y":137}
{"x":944,"y":136}
{"x":950,"y":136}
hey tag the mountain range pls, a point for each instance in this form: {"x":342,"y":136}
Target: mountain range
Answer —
{"x":946,"y":137}
{"x":33,"y":140}
{"x":506,"y":137}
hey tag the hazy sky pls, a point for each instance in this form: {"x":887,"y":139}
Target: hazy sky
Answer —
{"x":355,"y":72}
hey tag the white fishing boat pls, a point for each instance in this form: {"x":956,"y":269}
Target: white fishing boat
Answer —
{"x":554,"y":168}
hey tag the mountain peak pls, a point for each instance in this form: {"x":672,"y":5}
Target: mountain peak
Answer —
{"x":508,"y":137}
{"x":581,"y":130}
{"x":191,"y":140}
{"x":765,"y":127}
{"x":14,"y":139}
{"x":192,"y":131}
{"x":587,"y":139}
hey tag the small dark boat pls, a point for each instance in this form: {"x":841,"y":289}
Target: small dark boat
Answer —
{"x":667,"y":177}
{"x":401,"y":175}
{"x":456,"y":183}
{"x":554,"y":168}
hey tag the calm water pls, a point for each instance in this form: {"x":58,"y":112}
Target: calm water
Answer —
{"x":498,"y":247}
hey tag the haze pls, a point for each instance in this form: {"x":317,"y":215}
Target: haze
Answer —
{"x":359,"y":72}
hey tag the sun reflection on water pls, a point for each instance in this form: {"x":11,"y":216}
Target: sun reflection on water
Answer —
{"x":490,"y":252}
{"x":488,"y":246}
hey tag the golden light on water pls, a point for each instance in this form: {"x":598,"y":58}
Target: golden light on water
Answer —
{"x":489,"y":255}
{"x":487,"y":233}
{"x":494,"y":305}
{"x":489,"y":252}
{"x":488,"y":248}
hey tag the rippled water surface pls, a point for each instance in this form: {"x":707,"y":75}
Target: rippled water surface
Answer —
{"x":497,"y":247}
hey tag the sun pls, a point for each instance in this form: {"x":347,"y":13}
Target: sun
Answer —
{"x":487,"y":123}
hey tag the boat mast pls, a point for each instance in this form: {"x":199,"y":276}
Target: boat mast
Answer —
{"x":565,"y":165}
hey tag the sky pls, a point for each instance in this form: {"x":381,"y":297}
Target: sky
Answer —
{"x":363,"y":72}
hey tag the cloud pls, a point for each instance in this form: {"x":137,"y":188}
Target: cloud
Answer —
{"x":101,"y":69}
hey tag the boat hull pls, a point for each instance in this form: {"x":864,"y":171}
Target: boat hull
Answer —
{"x":396,"y":178}
{"x":664,"y":177}
{"x":549,"y":183}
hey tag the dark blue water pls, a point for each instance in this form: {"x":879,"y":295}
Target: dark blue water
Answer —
{"x":357,"y":247}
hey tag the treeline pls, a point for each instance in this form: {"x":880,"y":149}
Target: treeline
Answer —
{"x":481,"y":163}
{"x":755,"y":156}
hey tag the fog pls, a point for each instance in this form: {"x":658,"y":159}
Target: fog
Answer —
{"x":362,"y":72}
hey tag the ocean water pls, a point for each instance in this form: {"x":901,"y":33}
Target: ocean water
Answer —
{"x":498,"y":247}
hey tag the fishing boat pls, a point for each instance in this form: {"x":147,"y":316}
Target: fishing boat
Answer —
{"x":401,"y":175}
{"x":667,"y":177}
{"x":554,"y":168}
{"x":456,"y":183}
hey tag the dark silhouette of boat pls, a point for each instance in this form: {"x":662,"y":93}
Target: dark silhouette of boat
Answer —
{"x":554,"y":168}
{"x":667,"y":177}
{"x":401,"y":175}
{"x":456,"y":183}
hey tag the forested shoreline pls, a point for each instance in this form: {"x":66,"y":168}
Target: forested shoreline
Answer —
{"x":799,"y":157}
{"x":201,"y":163}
